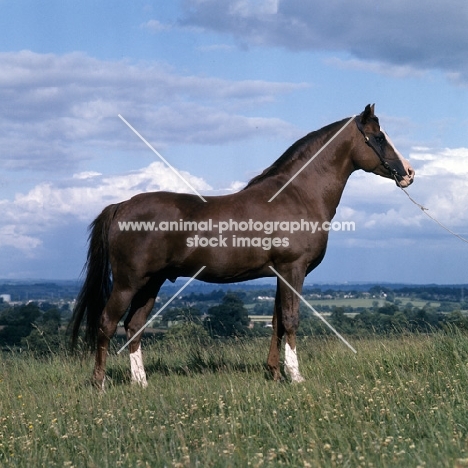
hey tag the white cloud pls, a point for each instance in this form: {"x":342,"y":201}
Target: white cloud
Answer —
{"x":407,"y":35}
{"x":248,"y":8}
{"x":156,"y":26}
{"x":447,"y":161}
{"x":61,"y":109}
{"x":86,"y":175}
{"x":11,"y":236}
{"x":380,"y":210}
{"x":444,"y":184}
{"x":216,"y":48}
{"x":47,"y":202}
{"x":46,"y":205}
{"x":377,"y":67}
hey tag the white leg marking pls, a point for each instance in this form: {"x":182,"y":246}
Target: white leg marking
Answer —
{"x":138,"y":370}
{"x":291,"y":365}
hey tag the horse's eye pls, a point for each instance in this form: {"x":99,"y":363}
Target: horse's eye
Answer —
{"x":380,"y":139}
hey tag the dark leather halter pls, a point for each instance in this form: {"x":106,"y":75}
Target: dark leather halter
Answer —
{"x":377,"y":143}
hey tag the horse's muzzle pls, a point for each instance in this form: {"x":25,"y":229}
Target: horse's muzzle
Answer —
{"x":408,"y":179}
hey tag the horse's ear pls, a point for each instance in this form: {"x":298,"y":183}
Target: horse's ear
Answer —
{"x":368,"y":113}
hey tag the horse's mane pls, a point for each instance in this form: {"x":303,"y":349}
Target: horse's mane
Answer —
{"x":293,"y":152}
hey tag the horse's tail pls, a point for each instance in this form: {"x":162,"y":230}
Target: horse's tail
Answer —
{"x":97,"y":285}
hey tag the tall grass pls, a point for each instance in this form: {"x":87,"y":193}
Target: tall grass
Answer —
{"x":398,"y":402}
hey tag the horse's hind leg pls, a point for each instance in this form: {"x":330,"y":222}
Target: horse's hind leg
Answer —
{"x":142,"y":304}
{"x":114,"y":310}
{"x":276,"y":338}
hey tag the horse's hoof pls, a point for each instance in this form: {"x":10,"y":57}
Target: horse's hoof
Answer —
{"x":98,"y":384}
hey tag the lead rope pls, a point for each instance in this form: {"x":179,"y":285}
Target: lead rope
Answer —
{"x":425,"y":211}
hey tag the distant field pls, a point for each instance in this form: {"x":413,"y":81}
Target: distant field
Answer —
{"x":358,"y":302}
{"x":399,"y":402}
{"x":368,"y":303}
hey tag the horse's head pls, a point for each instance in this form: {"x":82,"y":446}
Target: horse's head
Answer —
{"x":376,"y":152}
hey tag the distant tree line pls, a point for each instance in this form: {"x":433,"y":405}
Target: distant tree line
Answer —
{"x":230,"y":318}
{"x":40,"y":328}
{"x":389,"y":319}
{"x":33,"y":327}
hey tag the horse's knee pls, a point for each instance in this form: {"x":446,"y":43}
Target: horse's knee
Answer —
{"x":134,"y":334}
{"x":291,"y":324}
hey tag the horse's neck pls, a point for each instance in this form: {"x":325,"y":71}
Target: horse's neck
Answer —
{"x":323,"y":180}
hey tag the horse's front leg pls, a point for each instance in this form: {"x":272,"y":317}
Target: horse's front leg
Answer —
{"x":290,"y":318}
{"x":136,"y":359}
{"x":141,"y":307}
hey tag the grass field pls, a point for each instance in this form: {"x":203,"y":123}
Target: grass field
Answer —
{"x":398,"y":402}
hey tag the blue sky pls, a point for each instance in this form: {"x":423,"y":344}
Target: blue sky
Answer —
{"x":222,"y":89}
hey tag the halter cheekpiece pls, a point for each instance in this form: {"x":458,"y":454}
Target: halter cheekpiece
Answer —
{"x":377,"y":144}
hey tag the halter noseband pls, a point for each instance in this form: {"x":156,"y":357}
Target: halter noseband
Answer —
{"x":377,"y":144}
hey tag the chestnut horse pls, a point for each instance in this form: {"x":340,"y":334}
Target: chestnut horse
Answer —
{"x":126,"y":268}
